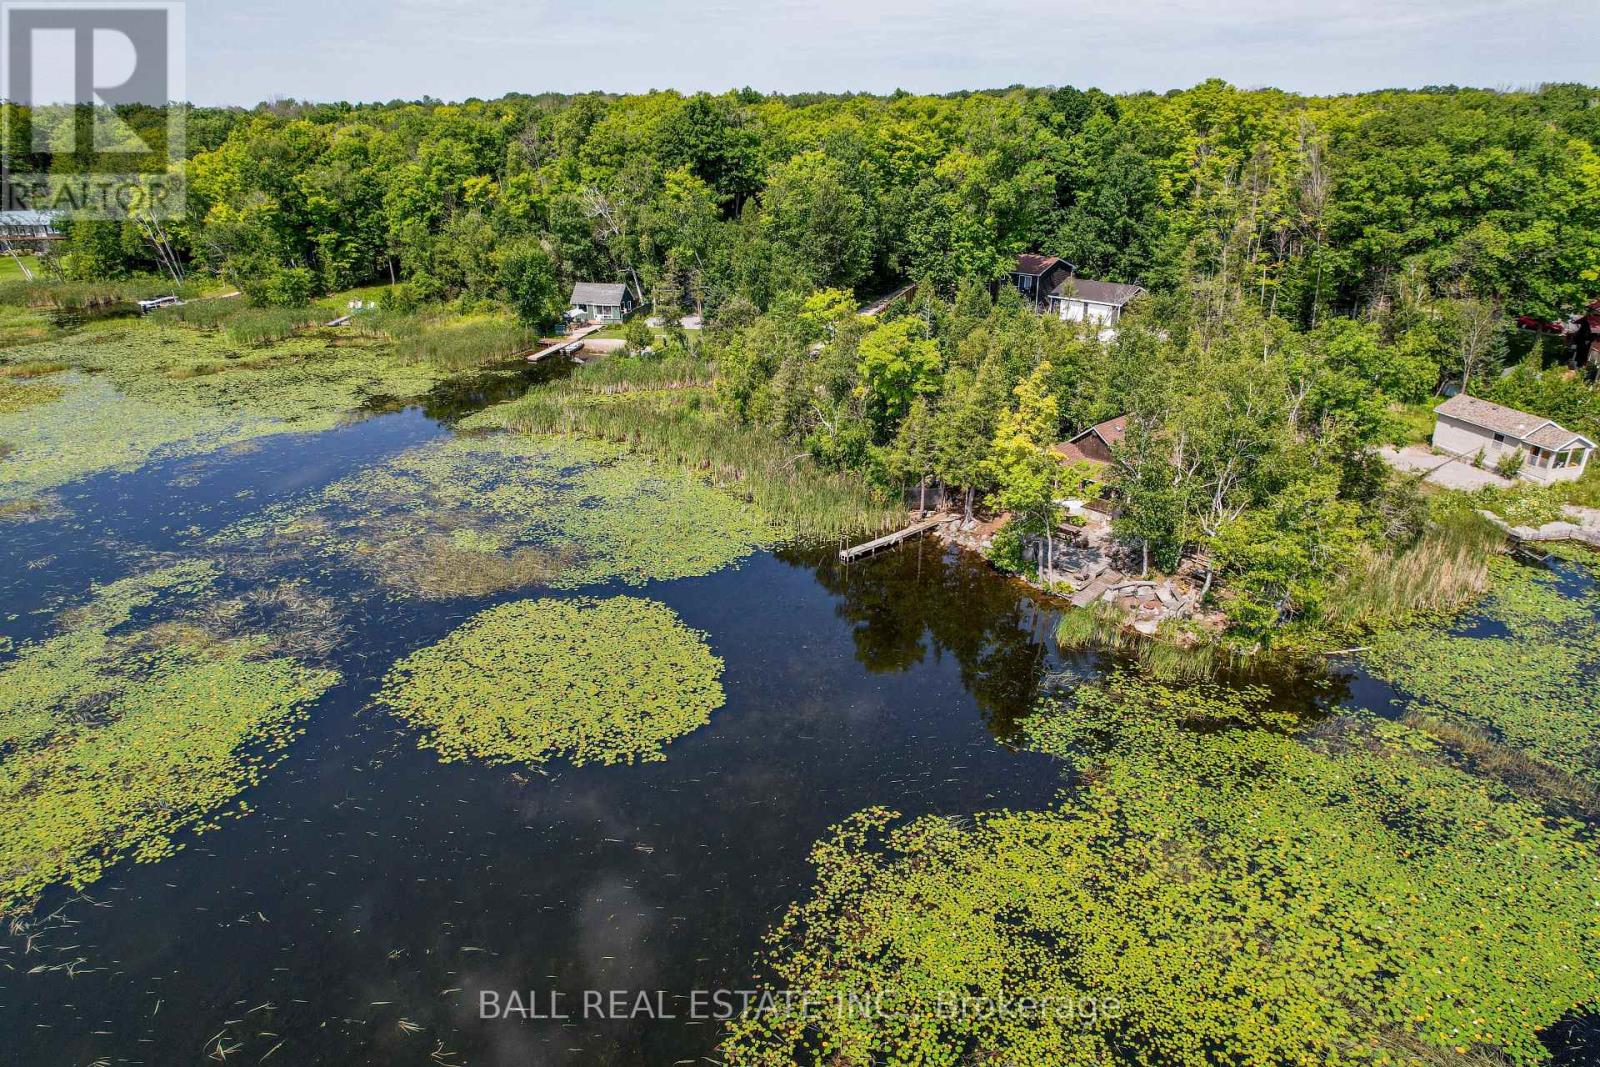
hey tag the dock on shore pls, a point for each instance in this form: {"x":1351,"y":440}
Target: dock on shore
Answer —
{"x":916,"y":529}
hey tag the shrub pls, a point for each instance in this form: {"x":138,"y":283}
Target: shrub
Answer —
{"x":1510,"y":464}
{"x":287,"y":287}
{"x":638,"y":335}
{"x":1006,"y":550}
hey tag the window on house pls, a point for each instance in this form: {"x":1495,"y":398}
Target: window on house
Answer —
{"x":1499,"y":438}
{"x":1562,"y":459}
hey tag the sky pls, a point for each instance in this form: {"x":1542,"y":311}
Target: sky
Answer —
{"x":245,"y":51}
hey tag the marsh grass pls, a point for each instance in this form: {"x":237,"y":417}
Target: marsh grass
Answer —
{"x":203,"y":314}
{"x":1487,"y":756}
{"x":463,"y":346}
{"x":265,"y":326}
{"x":1174,"y":654}
{"x":84,"y":296}
{"x":33,"y":368}
{"x":1444,"y":572}
{"x":665,"y":410}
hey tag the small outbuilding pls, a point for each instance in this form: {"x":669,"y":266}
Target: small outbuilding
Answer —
{"x":1469,"y":427}
{"x":600,"y":302}
{"x":1086,"y":300}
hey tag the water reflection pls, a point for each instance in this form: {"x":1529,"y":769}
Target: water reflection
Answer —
{"x":925,"y":600}
{"x":465,"y":394}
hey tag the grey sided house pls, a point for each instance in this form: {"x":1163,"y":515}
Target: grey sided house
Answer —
{"x":1468,"y":426}
{"x":1036,"y":277}
{"x":600,"y":302}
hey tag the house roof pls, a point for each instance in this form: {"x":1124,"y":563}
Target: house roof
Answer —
{"x":1112,"y":431}
{"x":1114,"y":293}
{"x":1069,"y":452}
{"x":1556,"y":438}
{"x":1534,"y":429}
{"x":1034,"y":263}
{"x":28,"y":218}
{"x":606,"y":294}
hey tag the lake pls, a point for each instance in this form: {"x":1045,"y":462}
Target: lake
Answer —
{"x":372,"y":893}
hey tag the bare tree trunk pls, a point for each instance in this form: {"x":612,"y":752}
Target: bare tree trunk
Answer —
{"x":922,"y":502}
{"x":1144,"y":549}
{"x":968,"y":509}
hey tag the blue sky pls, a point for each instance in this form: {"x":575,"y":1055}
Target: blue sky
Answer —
{"x":244,"y":51}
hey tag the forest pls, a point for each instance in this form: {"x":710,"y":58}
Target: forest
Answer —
{"x":1319,"y":271}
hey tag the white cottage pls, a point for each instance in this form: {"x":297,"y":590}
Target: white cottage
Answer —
{"x":1467,"y":426}
{"x":1086,"y":300}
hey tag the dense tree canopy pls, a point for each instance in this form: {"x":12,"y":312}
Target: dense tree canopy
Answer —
{"x":1323,"y":205}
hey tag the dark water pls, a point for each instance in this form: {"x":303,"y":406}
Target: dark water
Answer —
{"x":371,"y":884}
{"x":372,"y":894}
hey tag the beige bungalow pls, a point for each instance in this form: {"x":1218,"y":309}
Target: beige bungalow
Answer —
{"x":1468,"y":426}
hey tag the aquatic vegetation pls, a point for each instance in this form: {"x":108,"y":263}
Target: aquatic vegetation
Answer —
{"x":18,"y":396}
{"x":608,"y":681}
{"x":666,"y":410}
{"x":27,"y":509}
{"x":118,"y":734}
{"x":1526,"y":674}
{"x":478,"y":514}
{"x":144,"y":392}
{"x":1220,"y":895}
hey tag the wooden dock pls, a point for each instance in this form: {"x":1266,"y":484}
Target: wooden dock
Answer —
{"x":847,"y":555}
{"x":570,"y":343}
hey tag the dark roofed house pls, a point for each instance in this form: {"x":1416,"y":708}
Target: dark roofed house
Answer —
{"x":1094,"y":444}
{"x":1086,"y":300}
{"x":1035,"y":276}
{"x":600,"y":302}
{"x":1469,"y":426}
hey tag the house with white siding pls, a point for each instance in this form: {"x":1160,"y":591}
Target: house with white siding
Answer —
{"x":1469,"y":427}
{"x":1086,"y":300}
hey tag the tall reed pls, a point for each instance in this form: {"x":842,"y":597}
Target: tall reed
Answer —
{"x":465,"y":345}
{"x":80,"y":296}
{"x":259,"y":326}
{"x":1442,"y":573}
{"x":663,"y":409}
